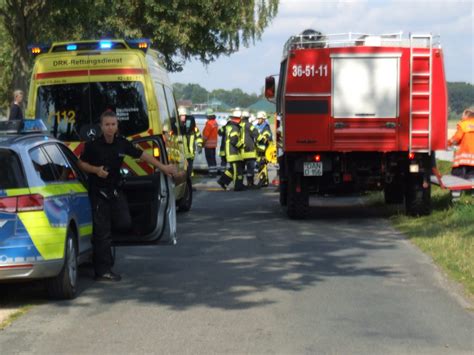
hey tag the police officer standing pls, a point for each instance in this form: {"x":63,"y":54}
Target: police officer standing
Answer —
{"x":233,"y":145}
{"x":102,"y":159}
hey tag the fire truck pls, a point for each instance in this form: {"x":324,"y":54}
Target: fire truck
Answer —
{"x":359,"y":112}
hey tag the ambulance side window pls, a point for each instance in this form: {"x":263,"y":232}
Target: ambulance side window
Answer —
{"x":42,"y":165}
{"x":172,"y":108}
{"x":164,"y":115}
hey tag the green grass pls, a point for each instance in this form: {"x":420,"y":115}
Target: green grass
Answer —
{"x":447,"y":235}
{"x":15,"y":315}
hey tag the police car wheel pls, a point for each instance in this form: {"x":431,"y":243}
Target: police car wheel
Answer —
{"x":64,"y":285}
{"x":185,"y":203}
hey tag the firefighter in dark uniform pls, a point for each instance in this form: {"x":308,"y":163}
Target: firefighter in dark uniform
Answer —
{"x":233,"y":144}
{"x":263,"y":141}
{"x":249,"y":135}
{"x":102,"y":159}
{"x":223,"y":166}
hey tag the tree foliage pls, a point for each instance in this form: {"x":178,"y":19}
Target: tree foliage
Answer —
{"x":197,"y":94}
{"x":179,"y":29}
{"x":461,"y":96}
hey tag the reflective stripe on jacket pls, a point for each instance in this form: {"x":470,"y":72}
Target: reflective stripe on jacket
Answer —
{"x":190,"y":142}
{"x":249,"y":134}
{"x":464,"y":137}
{"x":233,"y":142}
{"x":221,"y":132}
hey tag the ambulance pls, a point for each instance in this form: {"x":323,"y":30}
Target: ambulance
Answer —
{"x":72,"y":83}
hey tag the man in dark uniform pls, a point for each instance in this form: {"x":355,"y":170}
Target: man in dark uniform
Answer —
{"x":102,"y":159}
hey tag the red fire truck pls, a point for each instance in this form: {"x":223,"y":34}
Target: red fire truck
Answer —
{"x":359,"y":112}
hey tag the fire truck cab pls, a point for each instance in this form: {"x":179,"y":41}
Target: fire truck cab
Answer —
{"x":359,"y":112}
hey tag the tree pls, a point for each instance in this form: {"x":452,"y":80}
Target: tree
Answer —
{"x":179,"y":29}
{"x":461,"y":96}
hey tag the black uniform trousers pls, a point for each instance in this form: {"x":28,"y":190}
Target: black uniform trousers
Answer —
{"x":211,"y":160}
{"x":108,"y":214}
{"x":250,"y":169}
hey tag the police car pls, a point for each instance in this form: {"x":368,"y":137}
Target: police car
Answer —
{"x":45,"y":215}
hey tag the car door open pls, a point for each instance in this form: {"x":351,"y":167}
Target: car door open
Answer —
{"x":150,"y":196}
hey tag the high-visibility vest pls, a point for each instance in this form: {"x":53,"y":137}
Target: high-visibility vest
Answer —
{"x":464,"y":137}
{"x":190,"y":142}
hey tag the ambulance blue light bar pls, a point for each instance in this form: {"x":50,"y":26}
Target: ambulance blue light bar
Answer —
{"x":141,"y":43}
{"x":105,"y":44}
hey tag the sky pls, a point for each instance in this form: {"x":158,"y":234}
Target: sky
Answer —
{"x":246,"y":69}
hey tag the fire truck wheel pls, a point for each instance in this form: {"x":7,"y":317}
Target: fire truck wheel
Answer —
{"x":185,"y":203}
{"x":297,"y":202}
{"x":393,"y":193}
{"x":283,"y":193}
{"x":417,"y":199}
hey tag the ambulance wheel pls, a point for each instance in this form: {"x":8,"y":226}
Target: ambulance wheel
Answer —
{"x":185,"y":203}
{"x":64,"y":286}
{"x":417,"y":198}
{"x":297,"y":202}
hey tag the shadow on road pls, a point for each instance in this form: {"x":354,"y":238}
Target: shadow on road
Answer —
{"x":234,"y":247}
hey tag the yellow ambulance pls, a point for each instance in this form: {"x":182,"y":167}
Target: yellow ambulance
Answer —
{"x":74,"y":82}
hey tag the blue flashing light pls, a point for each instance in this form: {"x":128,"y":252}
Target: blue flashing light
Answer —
{"x":105,"y":44}
{"x":71,"y":47}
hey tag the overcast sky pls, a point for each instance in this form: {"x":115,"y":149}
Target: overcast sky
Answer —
{"x":453,"y":20}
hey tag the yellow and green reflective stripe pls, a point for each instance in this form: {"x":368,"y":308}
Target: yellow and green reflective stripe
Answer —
{"x":48,"y":240}
{"x":85,"y":230}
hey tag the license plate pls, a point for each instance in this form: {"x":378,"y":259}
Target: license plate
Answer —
{"x":313,"y":169}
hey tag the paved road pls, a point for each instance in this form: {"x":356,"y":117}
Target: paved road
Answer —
{"x":244,"y":279}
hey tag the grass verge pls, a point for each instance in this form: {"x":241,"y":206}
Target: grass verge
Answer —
{"x":15,"y":315}
{"x":447,"y":235}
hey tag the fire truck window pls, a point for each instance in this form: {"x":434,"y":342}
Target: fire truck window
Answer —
{"x":365,"y":87}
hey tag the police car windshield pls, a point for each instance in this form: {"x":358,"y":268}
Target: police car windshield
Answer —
{"x":11,"y":174}
{"x":69,"y":109}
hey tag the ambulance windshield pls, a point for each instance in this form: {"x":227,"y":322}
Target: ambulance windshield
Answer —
{"x":70,"y":109}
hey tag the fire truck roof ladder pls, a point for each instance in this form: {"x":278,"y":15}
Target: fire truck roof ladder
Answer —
{"x":421,"y":69}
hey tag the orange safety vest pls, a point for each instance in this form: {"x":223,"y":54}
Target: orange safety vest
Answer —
{"x":210,"y":134}
{"x":464,"y":137}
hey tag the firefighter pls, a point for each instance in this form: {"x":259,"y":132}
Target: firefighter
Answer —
{"x":101,"y":160}
{"x":263,"y":141}
{"x":209,"y":135}
{"x":463,"y":163}
{"x":191,"y":137}
{"x":249,"y":134}
{"x":233,"y":144}
{"x":223,"y":165}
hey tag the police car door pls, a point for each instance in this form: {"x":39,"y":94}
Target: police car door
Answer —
{"x":150,"y":196}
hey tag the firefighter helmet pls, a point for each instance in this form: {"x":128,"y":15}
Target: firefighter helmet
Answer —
{"x":182,"y":111}
{"x":237,"y":113}
{"x":245,"y":114}
{"x":262,"y":115}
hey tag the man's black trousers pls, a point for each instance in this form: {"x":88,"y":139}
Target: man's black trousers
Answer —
{"x":108,"y":214}
{"x":211,"y":160}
